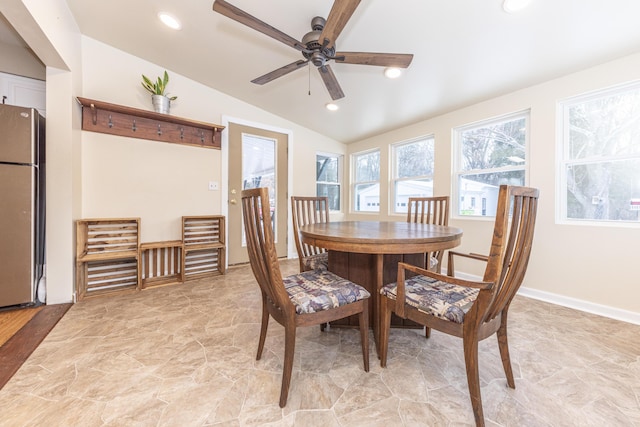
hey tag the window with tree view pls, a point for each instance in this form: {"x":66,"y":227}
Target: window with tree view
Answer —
{"x":413,"y":164}
{"x":328,"y":177}
{"x":489,"y":154}
{"x":366,"y":181}
{"x":600,"y":166}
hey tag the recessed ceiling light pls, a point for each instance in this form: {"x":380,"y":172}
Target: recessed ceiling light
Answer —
{"x":331,"y":106}
{"x":512,"y":6}
{"x":392,"y":72}
{"x":169,"y":20}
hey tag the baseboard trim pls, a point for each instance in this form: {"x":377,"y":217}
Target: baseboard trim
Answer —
{"x":586,"y":306}
{"x":576,"y":304}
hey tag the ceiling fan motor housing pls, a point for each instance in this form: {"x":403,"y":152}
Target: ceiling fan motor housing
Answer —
{"x":318,"y":55}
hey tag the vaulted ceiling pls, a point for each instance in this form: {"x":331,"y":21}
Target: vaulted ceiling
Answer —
{"x":464,"y":51}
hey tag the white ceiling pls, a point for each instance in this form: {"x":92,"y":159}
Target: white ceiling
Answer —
{"x":464,"y":51}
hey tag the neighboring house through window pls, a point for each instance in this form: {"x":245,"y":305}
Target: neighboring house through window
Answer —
{"x":600,"y":157}
{"x":488,"y":154}
{"x":366,"y":181}
{"x":413,"y":164}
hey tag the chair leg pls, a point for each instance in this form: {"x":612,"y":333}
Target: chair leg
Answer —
{"x":263,"y":328}
{"x":470,"y":344}
{"x":503,"y":344}
{"x":427,"y":332}
{"x":363,"y":321}
{"x":289,"y":349}
{"x":385,"y":325}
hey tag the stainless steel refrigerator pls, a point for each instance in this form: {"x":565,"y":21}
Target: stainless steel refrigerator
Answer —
{"x":22,"y":204}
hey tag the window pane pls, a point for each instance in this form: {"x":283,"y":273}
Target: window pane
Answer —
{"x":605,"y":127}
{"x":367,"y":197}
{"x":415,"y":159}
{"x":332,"y":191}
{"x":494,"y":146}
{"x":367,"y":167}
{"x":326,"y":168}
{"x":411,"y":188}
{"x":479,"y":193}
{"x":604,"y":191}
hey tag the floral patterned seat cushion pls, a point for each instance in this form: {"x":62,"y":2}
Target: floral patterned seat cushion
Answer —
{"x":314,"y":291}
{"x":316,"y":262}
{"x":434,"y":297}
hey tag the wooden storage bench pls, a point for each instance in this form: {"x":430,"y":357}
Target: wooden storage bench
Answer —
{"x":107,"y":256}
{"x":204,"y":246}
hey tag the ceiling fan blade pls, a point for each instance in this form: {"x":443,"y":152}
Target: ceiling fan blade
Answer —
{"x":400,"y":60}
{"x":331,"y":82}
{"x":340,"y":14}
{"x":243,"y":17}
{"x":279,"y":72}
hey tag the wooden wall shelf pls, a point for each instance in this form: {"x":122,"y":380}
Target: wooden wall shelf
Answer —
{"x":103,"y":117}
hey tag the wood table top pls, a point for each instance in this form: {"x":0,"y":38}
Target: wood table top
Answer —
{"x":381,"y":237}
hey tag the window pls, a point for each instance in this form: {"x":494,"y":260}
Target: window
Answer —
{"x":489,"y":154}
{"x":366,"y":181}
{"x":413,"y":165}
{"x":600,"y":165}
{"x":328,"y":178}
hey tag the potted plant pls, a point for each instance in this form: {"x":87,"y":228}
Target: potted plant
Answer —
{"x":160,"y":100}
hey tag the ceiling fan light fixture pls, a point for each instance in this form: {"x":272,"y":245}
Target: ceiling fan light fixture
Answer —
{"x":513,"y":6}
{"x":170,"y":20}
{"x":331,"y":106}
{"x":392,"y":72}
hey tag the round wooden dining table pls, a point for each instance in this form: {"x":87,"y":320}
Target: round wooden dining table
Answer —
{"x":368,"y":252}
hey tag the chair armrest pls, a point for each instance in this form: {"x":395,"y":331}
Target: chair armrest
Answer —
{"x":401,"y":291}
{"x":450,"y":266}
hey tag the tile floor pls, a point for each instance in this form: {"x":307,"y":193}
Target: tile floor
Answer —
{"x":185,"y":356}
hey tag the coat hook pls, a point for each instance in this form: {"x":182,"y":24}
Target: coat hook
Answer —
{"x":110,"y":121}
{"x":133,"y":128}
{"x":159,"y":131}
{"x":181,"y":133}
{"x":202,"y":136}
{"x":94,"y":115}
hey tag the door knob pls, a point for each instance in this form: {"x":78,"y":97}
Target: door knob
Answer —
{"x":233,"y":201}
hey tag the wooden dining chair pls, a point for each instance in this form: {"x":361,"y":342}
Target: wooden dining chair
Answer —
{"x":305,"y":299}
{"x":471,"y":310}
{"x":430,"y":210}
{"x":309,"y":210}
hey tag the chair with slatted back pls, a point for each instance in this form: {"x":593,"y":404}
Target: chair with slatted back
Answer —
{"x":309,"y":210}
{"x":471,"y":310}
{"x":430,"y":210}
{"x":305,"y":299}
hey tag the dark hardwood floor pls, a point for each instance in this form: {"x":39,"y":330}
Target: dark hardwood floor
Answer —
{"x":19,"y":347}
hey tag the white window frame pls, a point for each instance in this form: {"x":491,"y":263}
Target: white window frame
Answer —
{"x":355,"y":183}
{"x":395,"y":172}
{"x":340,"y":159}
{"x":562,"y":149}
{"x":457,"y":171}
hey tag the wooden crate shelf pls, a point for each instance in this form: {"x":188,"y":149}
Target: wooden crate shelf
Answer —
{"x":204,"y":246}
{"x":107,"y":256}
{"x":161,"y":263}
{"x":111,"y":260}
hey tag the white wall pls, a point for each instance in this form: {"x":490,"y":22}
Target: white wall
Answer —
{"x":22,"y":63}
{"x":593,"y":268}
{"x":160,"y":182}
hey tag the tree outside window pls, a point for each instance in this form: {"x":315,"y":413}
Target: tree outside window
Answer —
{"x":489,"y":154}
{"x":328,"y":178}
{"x":600,"y":168}
{"x":366,"y":181}
{"x":413,"y":165}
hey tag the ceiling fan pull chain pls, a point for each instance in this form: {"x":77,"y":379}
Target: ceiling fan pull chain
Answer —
{"x":309,"y":69}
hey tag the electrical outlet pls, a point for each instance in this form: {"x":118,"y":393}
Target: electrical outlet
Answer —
{"x":213,"y":186}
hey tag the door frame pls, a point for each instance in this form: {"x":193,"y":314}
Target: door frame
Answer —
{"x":224,"y":188}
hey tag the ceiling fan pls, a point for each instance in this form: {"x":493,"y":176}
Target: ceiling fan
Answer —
{"x":318,"y":45}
